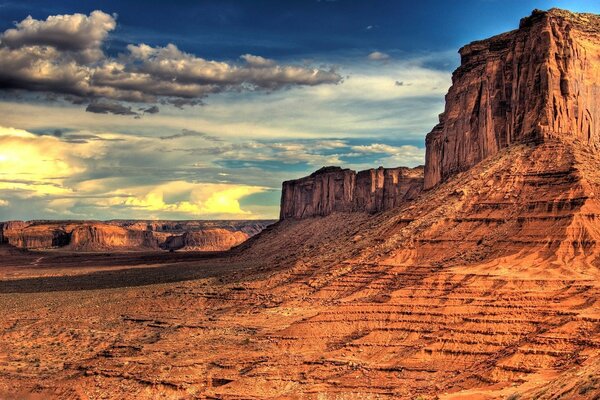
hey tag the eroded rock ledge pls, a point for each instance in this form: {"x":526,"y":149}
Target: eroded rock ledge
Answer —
{"x":332,"y":189}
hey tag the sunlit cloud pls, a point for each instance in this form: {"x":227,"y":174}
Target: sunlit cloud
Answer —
{"x":39,"y":164}
{"x":198,"y":199}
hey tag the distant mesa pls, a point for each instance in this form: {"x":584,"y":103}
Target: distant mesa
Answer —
{"x":332,"y":189}
{"x":129,"y":235}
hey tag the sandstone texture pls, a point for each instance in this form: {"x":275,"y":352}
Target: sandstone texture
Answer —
{"x":129,"y":235}
{"x":540,"y":81}
{"x":333,"y":189}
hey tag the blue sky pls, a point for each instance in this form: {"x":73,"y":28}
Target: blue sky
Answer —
{"x":180,"y":109}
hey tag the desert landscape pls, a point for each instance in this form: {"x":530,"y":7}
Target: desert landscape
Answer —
{"x":475,"y":276}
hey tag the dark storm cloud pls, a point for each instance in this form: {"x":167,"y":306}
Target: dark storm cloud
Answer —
{"x":150,"y":110}
{"x":63,"y":56}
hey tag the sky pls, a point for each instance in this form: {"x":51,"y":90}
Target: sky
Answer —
{"x":200,"y":109}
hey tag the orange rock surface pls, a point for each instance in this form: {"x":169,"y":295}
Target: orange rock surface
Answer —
{"x":333,"y":189}
{"x":540,"y":81}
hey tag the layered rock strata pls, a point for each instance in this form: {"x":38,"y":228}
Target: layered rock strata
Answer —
{"x":333,"y":189}
{"x":538,"y":82}
{"x":217,"y":239}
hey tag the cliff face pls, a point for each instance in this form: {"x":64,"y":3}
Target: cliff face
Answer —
{"x":206,"y":240}
{"x":535,"y":83}
{"x":106,"y":237}
{"x":18,"y":234}
{"x":323,"y":192}
{"x":385,"y":188}
{"x":332,"y":189}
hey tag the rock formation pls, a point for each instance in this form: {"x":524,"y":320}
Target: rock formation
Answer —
{"x":217,"y":239}
{"x":537,"y":83}
{"x":129,"y":235}
{"x":540,"y":81}
{"x":94,"y":237}
{"x":333,"y":189}
{"x":19,"y":234}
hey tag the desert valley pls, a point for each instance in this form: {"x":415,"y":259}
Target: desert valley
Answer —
{"x":475,"y":276}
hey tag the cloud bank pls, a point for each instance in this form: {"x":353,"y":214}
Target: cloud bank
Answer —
{"x":63,"y":55}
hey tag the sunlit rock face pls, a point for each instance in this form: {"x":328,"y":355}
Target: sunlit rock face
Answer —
{"x":216,"y":239}
{"x":333,"y":189}
{"x":537,"y":82}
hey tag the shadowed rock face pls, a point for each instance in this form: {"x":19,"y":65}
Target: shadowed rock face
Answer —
{"x":538,"y":82}
{"x":333,"y":189}
{"x":102,"y":236}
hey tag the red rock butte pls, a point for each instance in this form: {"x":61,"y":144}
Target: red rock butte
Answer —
{"x":536,"y":83}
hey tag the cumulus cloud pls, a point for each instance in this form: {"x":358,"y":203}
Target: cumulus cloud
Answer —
{"x":79,"y":175}
{"x":378,"y":56}
{"x":200,"y":198}
{"x":63,"y":55}
{"x":76,"y":32}
{"x":257,"y":61}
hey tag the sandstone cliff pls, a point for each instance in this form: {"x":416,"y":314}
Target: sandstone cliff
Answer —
{"x":94,"y":237}
{"x":332,"y":189}
{"x":540,"y":81}
{"x":206,"y":240}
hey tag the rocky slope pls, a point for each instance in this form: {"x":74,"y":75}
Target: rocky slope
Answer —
{"x":129,"y":235}
{"x":333,"y":189}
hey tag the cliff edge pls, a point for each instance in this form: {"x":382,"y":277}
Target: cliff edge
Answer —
{"x":538,"y":82}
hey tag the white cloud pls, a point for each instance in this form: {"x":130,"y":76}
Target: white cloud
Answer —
{"x":378,"y":56}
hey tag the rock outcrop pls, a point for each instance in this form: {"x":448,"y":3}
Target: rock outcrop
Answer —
{"x":19,"y":234}
{"x":333,"y":189}
{"x":217,"y":239}
{"x":538,"y":82}
{"x":94,"y":237}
